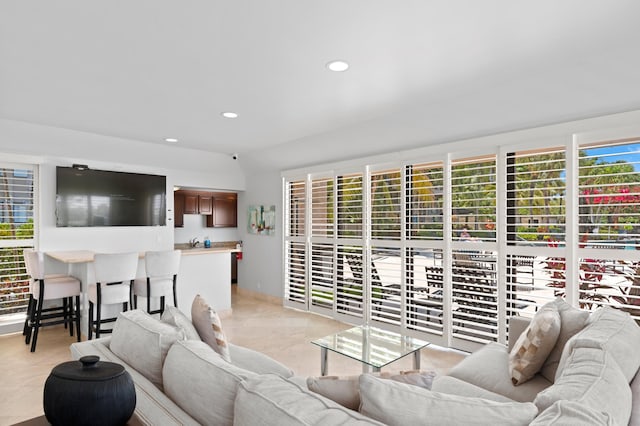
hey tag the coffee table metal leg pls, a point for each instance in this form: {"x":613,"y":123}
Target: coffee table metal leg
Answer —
{"x":324,"y":361}
{"x":416,"y":360}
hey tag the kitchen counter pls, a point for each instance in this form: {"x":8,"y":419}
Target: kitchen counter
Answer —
{"x":218,"y":247}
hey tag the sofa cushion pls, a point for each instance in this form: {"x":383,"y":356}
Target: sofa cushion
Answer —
{"x":143,"y":342}
{"x":534,"y":345}
{"x":488,"y":368}
{"x":346,"y":390}
{"x":591,"y":377}
{"x":572,"y":320}
{"x":453,"y":386}
{"x":635,"y":400}
{"x":175,"y":317}
{"x":572,"y":413}
{"x":257,"y":362}
{"x":400,"y":404}
{"x":613,"y":330}
{"x":201,"y":382}
{"x":152,"y":406}
{"x":207,"y":322}
{"x":276,"y":401}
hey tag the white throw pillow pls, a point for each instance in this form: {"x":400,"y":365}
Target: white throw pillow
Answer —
{"x":143,"y":342}
{"x":175,"y":317}
{"x":399,"y":404}
{"x":534,"y":345}
{"x":207,"y":322}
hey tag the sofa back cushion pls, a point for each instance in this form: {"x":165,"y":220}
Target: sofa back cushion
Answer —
{"x":613,"y":330}
{"x":202,"y":383}
{"x":572,"y":320}
{"x":257,"y":362}
{"x":572,"y":413}
{"x":400,"y":404}
{"x":593,"y":378}
{"x":143,"y":342}
{"x":175,"y":317}
{"x":270,"y":400}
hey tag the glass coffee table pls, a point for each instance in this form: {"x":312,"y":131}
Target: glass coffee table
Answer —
{"x":373,"y":347}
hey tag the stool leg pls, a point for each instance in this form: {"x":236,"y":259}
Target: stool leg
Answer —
{"x":65,"y":311}
{"x":78,"y":317}
{"x":99,"y":305}
{"x":36,"y":324}
{"x":69,"y":315}
{"x":175,"y":297}
{"x":90,"y":322}
{"x":27,"y":326}
{"x":161,"y":305}
{"x":149,"y":295}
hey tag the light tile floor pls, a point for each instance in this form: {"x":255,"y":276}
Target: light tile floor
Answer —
{"x":283,"y":334}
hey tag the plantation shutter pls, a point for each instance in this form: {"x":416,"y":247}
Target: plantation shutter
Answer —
{"x":536,"y":214}
{"x":474,"y":258}
{"x":424,"y":258}
{"x":609,"y":230}
{"x":16,"y":234}
{"x":295,"y":244}
{"x":322,"y":231}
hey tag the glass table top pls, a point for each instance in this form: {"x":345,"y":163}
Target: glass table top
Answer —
{"x":370,"y":345}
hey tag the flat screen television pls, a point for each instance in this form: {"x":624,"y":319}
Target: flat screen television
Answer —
{"x":106,"y":198}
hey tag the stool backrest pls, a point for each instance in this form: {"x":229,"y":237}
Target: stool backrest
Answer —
{"x":34,"y":262}
{"x":115,"y":267}
{"x":162,"y":263}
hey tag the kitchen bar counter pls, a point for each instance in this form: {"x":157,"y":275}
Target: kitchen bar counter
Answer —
{"x":204,"y":271}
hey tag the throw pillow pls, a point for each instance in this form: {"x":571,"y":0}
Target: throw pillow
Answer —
{"x":534,"y":345}
{"x":400,"y":404}
{"x":143,"y":342}
{"x":572,"y":320}
{"x":591,"y":377}
{"x":207,"y":322}
{"x":174,"y":316}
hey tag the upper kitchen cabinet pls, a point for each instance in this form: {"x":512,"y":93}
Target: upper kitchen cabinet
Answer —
{"x":178,"y":209}
{"x":220,"y":208}
{"x":225,"y":211}
{"x":191,"y":204}
{"x":205,"y":203}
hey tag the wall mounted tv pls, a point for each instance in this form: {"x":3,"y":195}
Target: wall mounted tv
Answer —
{"x":105,"y":198}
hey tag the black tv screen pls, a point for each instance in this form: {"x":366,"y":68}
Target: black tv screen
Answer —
{"x":105,"y":198}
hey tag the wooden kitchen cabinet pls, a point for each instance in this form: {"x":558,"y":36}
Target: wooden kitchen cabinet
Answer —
{"x":205,"y":203}
{"x":178,"y":210}
{"x":225,"y":211}
{"x":191,"y":203}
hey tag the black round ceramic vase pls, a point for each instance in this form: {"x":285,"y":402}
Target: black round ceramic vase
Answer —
{"x":89,"y":392}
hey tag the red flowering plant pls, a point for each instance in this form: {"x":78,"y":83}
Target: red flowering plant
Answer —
{"x":591,"y":273}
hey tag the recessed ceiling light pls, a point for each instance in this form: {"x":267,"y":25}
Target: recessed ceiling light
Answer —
{"x":338,"y":66}
{"x":229,"y":114}
{"x":172,"y":140}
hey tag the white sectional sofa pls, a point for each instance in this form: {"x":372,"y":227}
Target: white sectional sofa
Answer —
{"x":184,"y":381}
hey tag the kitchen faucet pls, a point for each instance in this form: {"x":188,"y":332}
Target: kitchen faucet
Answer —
{"x":194,"y":242}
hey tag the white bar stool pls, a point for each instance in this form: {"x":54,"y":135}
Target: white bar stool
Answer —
{"x":49,"y":287}
{"x":114,"y":276}
{"x":162,"y":273}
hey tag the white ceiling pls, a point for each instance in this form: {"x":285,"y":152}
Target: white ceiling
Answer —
{"x":422,"y":71}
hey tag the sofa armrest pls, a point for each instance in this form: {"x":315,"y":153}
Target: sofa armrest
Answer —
{"x":516,"y":326}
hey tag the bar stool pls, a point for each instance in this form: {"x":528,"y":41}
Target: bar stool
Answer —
{"x":162,"y":273}
{"x":114,"y":276}
{"x":49,"y":287}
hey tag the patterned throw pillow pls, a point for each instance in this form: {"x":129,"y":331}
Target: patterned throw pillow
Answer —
{"x":535,"y":344}
{"x":209,"y":327}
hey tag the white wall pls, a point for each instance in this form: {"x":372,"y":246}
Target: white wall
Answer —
{"x":195,"y":226}
{"x":49,"y":147}
{"x":260,"y":270}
